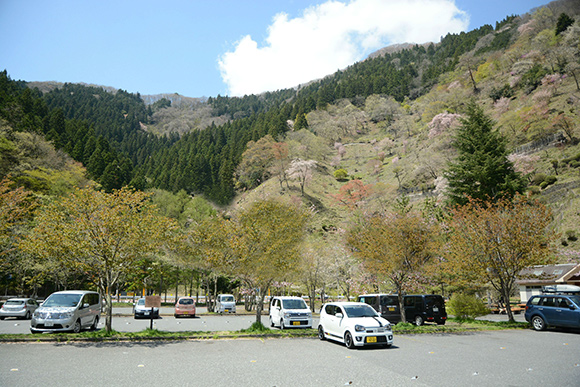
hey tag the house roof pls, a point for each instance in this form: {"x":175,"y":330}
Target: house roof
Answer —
{"x":549,"y":274}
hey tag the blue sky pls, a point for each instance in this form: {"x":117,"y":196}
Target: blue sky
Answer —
{"x":230,"y":47}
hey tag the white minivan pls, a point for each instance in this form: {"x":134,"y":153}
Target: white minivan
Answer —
{"x":70,"y":310}
{"x":225,"y":303}
{"x":290,"y":312}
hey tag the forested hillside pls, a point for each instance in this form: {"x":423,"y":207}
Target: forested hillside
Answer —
{"x":360,"y":139}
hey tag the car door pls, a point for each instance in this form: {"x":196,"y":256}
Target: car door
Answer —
{"x":275,"y":311}
{"x":332,"y":325}
{"x":565,"y":316}
{"x":548,"y":309}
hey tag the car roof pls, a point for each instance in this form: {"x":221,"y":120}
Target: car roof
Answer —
{"x":75,"y":292}
{"x":288,"y":297}
{"x":378,"y":294}
{"x":346,"y":303}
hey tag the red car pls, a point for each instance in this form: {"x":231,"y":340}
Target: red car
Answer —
{"x":185,"y":306}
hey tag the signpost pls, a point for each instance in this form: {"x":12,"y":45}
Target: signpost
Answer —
{"x":152,"y":302}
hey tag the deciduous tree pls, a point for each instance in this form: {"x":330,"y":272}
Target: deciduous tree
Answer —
{"x":395,"y":246}
{"x":493,"y":242}
{"x":102,"y":234}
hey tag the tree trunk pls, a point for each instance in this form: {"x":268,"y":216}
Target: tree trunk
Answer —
{"x":401,"y":306}
{"x":109,"y":311}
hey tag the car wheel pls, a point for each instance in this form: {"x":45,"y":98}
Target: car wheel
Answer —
{"x":271,"y":323}
{"x":419,"y":321}
{"x":28,"y":316}
{"x":538,"y":323}
{"x":95,"y":323}
{"x":321,"y":333}
{"x":1,"y":318}
{"x":348,"y":341}
{"x":441,"y":322}
{"x":77,"y":326}
{"x":282,"y":324}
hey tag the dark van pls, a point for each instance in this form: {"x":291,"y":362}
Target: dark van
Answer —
{"x":387,"y":305}
{"x":418,"y":308}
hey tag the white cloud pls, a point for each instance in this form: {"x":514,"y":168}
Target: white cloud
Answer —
{"x":331,"y":36}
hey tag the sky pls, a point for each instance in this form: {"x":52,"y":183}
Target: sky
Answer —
{"x":205,"y":48}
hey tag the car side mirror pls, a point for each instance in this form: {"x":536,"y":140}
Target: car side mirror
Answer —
{"x":572,"y":307}
{"x":338,"y":315}
{"x":85,"y":306}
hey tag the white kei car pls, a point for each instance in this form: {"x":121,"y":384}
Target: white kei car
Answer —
{"x":355,"y":324}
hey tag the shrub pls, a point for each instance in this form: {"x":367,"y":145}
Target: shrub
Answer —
{"x":466,"y":306}
{"x":534,"y":189}
{"x":340,"y":174}
{"x":538,"y":178}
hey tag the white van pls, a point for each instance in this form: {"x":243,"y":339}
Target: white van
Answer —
{"x":70,"y":310}
{"x":225,"y":303}
{"x":287,"y":312}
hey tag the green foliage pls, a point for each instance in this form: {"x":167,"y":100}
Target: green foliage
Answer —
{"x":340,"y":174}
{"x":532,"y":78}
{"x":564,"y":21}
{"x":504,"y":91}
{"x":549,"y":180}
{"x":466,"y":306}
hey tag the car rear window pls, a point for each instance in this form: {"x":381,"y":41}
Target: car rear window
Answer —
{"x":14,"y":302}
{"x":371,"y":300}
{"x":228,"y":299}
{"x":186,"y":301}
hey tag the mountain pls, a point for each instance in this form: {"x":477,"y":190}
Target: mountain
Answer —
{"x":386,"y":121}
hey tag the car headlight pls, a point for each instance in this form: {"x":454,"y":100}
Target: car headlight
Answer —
{"x":63,"y":315}
{"x":359,"y":328}
{"x":287,"y":315}
{"x":388,"y":327}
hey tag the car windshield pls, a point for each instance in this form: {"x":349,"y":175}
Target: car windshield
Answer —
{"x":62,"y":300}
{"x":141,"y":301}
{"x":228,"y":299}
{"x":186,"y":301}
{"x":359,"y":311}
{"x":14,"y":302}
{"x":294,"y":304}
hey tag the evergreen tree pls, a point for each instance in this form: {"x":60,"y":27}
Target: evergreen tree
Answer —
{"x":564,"y":21}
{"x":481,"y":169}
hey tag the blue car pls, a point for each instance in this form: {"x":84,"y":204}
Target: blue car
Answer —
{"x":555,"y":310}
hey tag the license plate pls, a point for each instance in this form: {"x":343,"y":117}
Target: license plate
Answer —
{"x":435,"y":309}
{"x":295,"y":322}
{"x":48,"y":324}
{"x":391,"y":309}
{"x":146,"y":313}
{"x":227,"y":310}
{"x":371,"y":339}
{"x":186,"y":312}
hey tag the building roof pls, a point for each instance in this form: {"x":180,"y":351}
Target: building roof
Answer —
{"x":549,"y":274}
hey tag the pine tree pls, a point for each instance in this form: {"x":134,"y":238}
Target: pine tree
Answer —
{"x":481,"y":169}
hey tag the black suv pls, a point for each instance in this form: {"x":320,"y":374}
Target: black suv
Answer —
{"x":558,"y":310}
{"x":419,"y":308}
